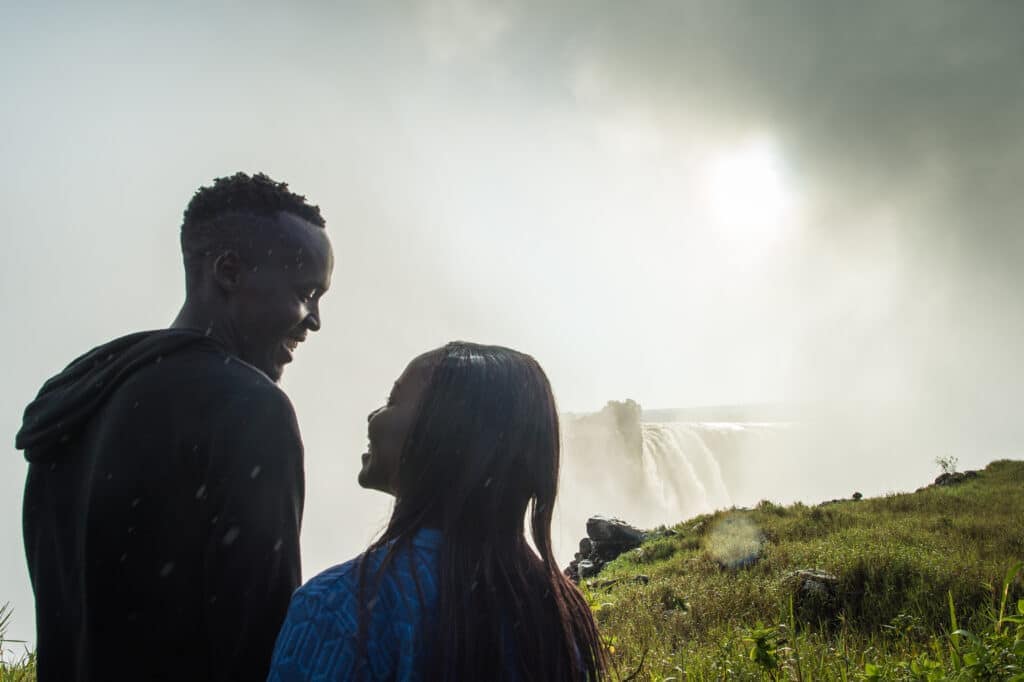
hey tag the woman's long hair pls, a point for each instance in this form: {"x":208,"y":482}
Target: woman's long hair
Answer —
{"x":483,"y":448}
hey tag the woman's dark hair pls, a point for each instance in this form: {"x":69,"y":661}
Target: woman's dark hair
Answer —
{"x":483,"y":448}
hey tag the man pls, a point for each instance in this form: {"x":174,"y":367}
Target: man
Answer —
{"x":165,"y":484}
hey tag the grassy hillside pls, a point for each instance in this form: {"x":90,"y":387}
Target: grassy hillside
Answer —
{"x":906,"y":572}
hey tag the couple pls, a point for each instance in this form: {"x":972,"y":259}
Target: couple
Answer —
{"x":165,"y":490}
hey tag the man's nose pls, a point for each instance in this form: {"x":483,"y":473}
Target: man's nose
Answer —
{"x":373,"y":414}
{"x":313,"y":318}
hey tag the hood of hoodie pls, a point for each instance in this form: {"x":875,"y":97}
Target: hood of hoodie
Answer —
{"x":67,"y":402}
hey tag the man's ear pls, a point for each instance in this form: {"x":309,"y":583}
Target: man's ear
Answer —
{"x":227,"y":270}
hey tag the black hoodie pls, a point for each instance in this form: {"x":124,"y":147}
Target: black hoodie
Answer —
{"x":161,"y":514}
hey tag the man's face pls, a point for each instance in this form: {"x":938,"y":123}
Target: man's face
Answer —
{"x":277,"y":300}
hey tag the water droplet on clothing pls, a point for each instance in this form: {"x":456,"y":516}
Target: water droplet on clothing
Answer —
{"x":201,"y":492}
{"x":159,"y":359}
{"x":278,"y":544}
{"x":124,"y":557}
{"x":131,"y":530}
{"x":255,"y":471}
{"x":135,"y":502}
{"x":487,"y":483}
{"x":135,"y":405}
{"x":270,"y":252}
{"x":231,"y":535}
{"x":167,"y":569}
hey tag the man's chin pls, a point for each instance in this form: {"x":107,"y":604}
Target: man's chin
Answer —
{"x":273,"y":372}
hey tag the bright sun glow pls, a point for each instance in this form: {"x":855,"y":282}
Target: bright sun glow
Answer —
{"x":747,"y":188}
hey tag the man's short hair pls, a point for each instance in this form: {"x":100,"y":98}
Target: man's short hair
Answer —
{"x":219,"y":216}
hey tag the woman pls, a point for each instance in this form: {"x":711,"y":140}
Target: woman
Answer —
{"x":452,"y":590}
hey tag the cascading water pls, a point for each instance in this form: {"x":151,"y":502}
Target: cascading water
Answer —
{"x":659,"y":472}
{"x":683,"y":474}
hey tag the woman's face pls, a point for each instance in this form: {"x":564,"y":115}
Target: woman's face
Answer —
{"x":388,"y":426}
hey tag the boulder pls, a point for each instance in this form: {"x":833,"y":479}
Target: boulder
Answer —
{"x":606,"y":539}
{"x":815,"y":595}
{"x":954,"y":477}
{"x":613,"y":531}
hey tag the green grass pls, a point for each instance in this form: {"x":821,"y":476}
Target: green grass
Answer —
{"x":15,"y":666}
{"x":904,"y":563}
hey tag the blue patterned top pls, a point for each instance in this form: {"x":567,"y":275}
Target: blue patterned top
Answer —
{"x":319,"y":638}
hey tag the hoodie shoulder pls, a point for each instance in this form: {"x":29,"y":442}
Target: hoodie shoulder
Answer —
{"x":67,"y":401}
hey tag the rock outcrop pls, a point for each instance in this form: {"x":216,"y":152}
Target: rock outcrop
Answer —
{"x":606,"y":539}
{"x":815,"y":595}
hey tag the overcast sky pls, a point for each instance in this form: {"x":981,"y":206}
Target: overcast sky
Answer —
{"x":684,"y":203}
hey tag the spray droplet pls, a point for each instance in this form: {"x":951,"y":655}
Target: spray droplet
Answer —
{"x":201,"y":492}
{"x":278,"y":545}
{"x":231,"y":536}
{"x":255,"y":471}
{"x":136,"y":501}
{"x":487,"y":483}
{"x":167,"y":569}
{"x":124,"y":557}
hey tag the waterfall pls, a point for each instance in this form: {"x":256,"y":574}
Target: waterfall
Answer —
{"x":683,"y":473}
{"x":662,"y":472}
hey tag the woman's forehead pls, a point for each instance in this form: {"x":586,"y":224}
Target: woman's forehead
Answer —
{"x":417,"y":373}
